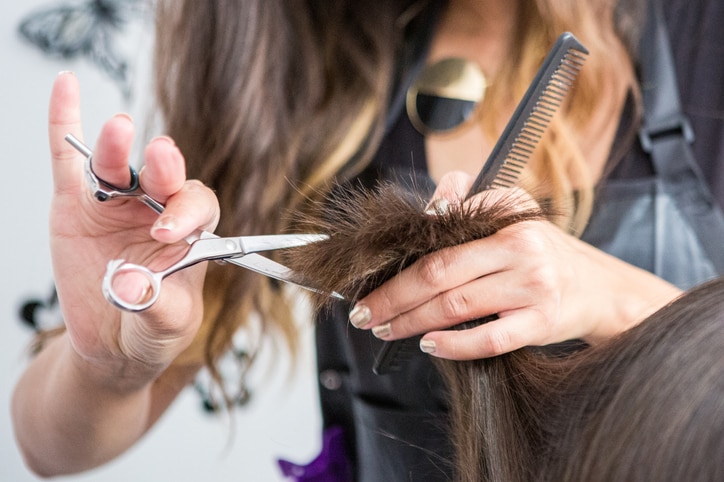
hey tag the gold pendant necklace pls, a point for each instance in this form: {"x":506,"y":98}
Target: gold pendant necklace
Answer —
{"x":445,"y":95}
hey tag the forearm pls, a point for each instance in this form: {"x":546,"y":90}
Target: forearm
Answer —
{"x":67,"y":421}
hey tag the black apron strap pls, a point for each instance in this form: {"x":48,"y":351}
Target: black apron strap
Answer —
{"x":666,"y":135}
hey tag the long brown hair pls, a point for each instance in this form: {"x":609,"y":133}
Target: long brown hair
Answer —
{"x":374,"y":235}
{"x":647,"y":405}
{"x":268,"y":99}
{"x":271,"y":99}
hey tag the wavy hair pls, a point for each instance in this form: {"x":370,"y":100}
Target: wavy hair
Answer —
{"x":268,"y":99}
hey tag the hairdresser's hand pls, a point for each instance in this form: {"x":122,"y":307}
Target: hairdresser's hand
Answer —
{"x":86,"y":234}
{"x":545,"y":286}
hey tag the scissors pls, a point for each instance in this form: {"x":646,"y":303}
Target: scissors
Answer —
{"x":205,"y":246}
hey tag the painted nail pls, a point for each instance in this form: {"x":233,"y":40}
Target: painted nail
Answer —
{"x":165,"y":223}
{"x":382,"y":331}
{"x":427,"y":346}
{"x":438,"y":207}
{"x":144,"y":294}
{"x":360,"y":316}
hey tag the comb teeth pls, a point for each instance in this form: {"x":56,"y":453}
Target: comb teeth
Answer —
{"x":532,"y":116}
{"x":535,"y":126}
{"x":394,"y":354}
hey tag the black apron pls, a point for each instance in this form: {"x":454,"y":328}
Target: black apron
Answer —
{"x":669,"y":223}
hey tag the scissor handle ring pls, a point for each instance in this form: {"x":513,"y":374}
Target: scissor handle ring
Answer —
{"x":104,"y":190}
{"x":134,"y":184}
{"x":117,"y":267}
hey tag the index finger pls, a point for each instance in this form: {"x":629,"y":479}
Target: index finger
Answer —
{"x":427,"y":278}
{"x":64,"y":118}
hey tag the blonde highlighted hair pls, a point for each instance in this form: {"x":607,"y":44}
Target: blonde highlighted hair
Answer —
{"x":562,"y":172}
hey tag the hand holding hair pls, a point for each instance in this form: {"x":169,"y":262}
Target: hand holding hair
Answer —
{"x":412,"y":272}
{"x":524,"y":412}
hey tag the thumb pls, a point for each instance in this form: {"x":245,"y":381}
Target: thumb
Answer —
{"x":450,"y":190}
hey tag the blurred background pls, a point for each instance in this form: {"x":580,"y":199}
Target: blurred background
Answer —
{"x":111,"y":57}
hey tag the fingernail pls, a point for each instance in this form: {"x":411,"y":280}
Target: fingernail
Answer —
{"x":124,"y":115}
{"x":66,"y":72}
{"x":144,"y":294}
{"x":164,"y":139}
{"x":382,"y":331}
{"x":360,"y":316}
{"x":165,"y":223}
{"x":427,"y":346}
{"x":131,"y":287}
{"x":438,"y":207}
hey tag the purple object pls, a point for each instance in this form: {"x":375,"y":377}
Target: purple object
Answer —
{"x":331,"y":465}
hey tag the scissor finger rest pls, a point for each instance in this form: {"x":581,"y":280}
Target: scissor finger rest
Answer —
{"x":118,"y":267}
{"x":201,"y":250}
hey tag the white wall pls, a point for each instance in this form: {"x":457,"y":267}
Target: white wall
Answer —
{"x":186,"y":445}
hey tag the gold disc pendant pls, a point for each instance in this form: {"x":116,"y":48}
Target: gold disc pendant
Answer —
{"x":445,"y":95}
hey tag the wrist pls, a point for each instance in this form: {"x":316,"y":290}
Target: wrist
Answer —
{"x":71,"y":414}
{"x":115,"y":375}
{"x":635,"y":295}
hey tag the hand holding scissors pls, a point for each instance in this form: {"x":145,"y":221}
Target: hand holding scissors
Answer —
{"x":205,"y":246}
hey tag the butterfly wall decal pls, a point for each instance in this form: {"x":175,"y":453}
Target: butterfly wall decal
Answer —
{"x":234,"y":370}
{"x":41,"y":313}
{"x":85,"y":29}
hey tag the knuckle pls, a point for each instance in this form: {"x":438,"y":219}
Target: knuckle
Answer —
{"x":496,"y":342}
{"x":455,"y":349}
{"x":406,"y":325}
{"x":526,"y":240}
{"x":433,"y":269}
{"x":453,"y":346}
{"x":548,"y":322}
{"x":454,"y":305}
{"x":385,"y":302}
{"x":542,"y":278}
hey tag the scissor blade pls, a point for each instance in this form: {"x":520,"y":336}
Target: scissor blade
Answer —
{"x":256,"y":244}
{"x":267,"y":267}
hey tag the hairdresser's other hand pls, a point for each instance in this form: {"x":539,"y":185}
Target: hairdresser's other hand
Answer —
{"x":85,"y":234}
{"x":545,"y":285}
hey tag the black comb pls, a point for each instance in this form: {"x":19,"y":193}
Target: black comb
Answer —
{"x":528,"y":123}
{"x":511,"y":153}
